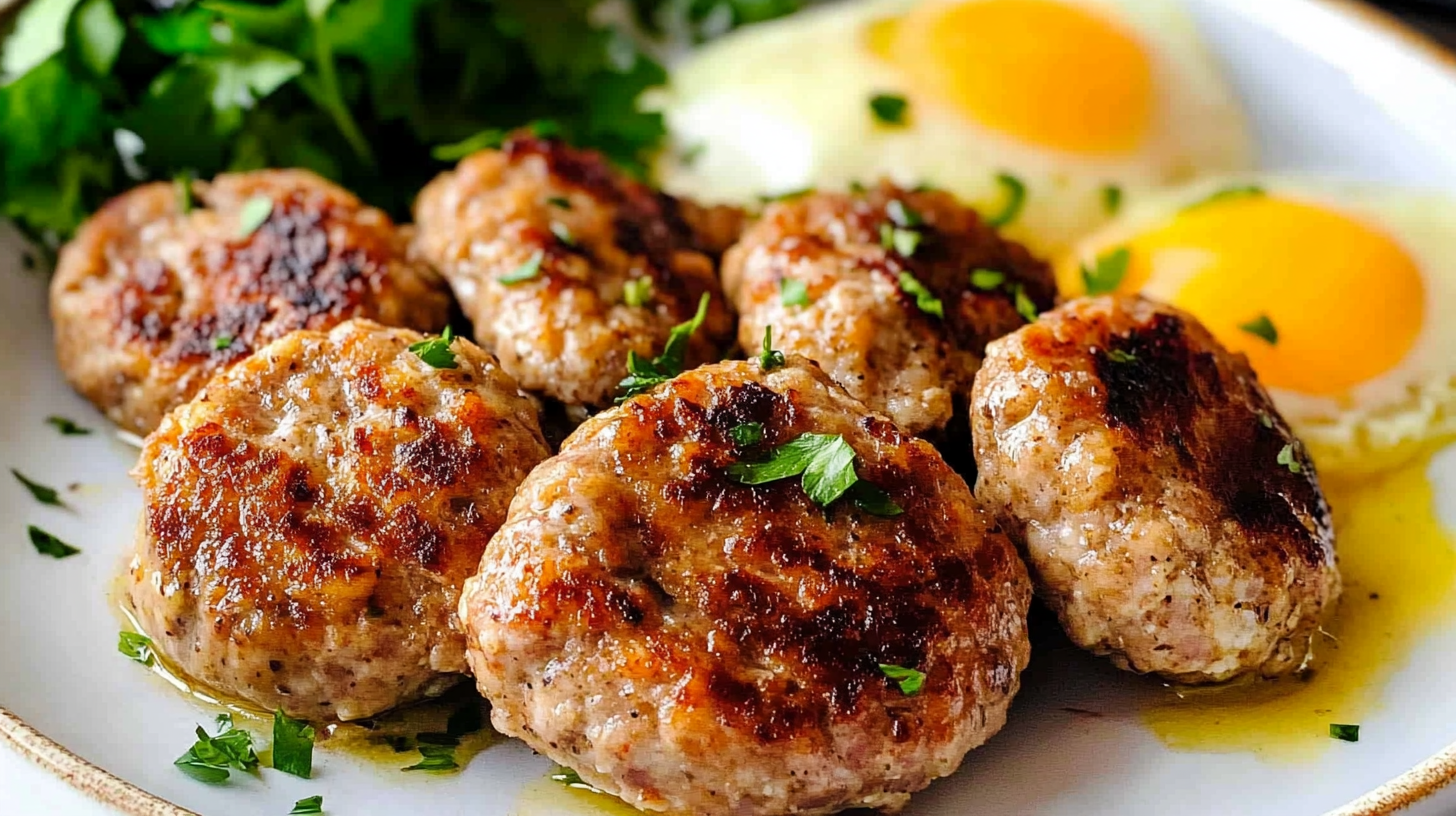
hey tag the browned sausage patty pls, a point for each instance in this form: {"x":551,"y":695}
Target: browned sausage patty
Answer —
{"x":700,"y":646}
{"x":311,"y":516}
{"x":859,"y":317}
{"x":541,"y":243}
{"x":1170,"y":516}
{"x":149,"y":301}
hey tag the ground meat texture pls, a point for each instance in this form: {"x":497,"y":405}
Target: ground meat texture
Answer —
{"x":566,"y":330}
{"x":311,"y":516}
{"x":1138,"y":461}
{"x":860,"y":323}
{"x":151,"y":298}
{"x":698,"y":646}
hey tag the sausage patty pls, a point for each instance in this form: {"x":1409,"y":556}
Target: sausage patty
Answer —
{"x":311,"y":515}
{"x":542,"y":242}
{"x":835,"y":275}
{"x":1171,"y":518}
{"x":160,"y":288}
{"x":700,"y":646}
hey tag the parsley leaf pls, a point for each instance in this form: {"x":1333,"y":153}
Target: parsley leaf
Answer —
{"x":1119,"y":356}
{"x":987,"y":279}
{"x":1111,"y":198}
{"x":643,"y":375}
{"x":40,"y":492}
{"x":1107,"y":272}
{"x":637,"y":292}
{"x":67,"y":427}
{"x":1288,"y":459}
{"x":222,"y":342}
{"x":435,"y":351}
{"x":889,"y":109}
{"x":925,"y":299}
{"x":1232,"y":191}
{"x":747,"y":434}
{"x":563,"y":234}
{"x":901,"y":240}
{"x":306,"y":807}
{"x":138,"y":647}
{"x":1024,"y":304}
{"x":526,"y":271}
{"x":903,"y":216}
{"x":254,"y":214}
{"x":1263,"y":328}
{"x":211,"y":757}
{"x":1015,"y":199}
{"x":487,"y":139}
{"x":910,"y":681}
{"x":182,"y":183}
{"x":292,"y":745}
{"x":826,"y":464}
{"x":560,"y":202}
{"x":873,"y":500}
{"x":435,"y":758}
{"x":1346,"y":733}
{"x":770,"y":358}
{"x":47,"y":544}
{"x":793,"y":292}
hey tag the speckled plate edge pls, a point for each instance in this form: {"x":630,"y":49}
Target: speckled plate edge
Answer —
{"x":1403,"y":791}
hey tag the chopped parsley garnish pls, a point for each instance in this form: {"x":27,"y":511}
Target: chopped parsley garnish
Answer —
{"x":901,"y":240}
{"x":889,"y":109}
{"x":637,"y":292}
{"x":874,"y":500}
{"x":306,"y":807}
{"x":747,"y":434}
{"x":435,"y":351}
{"x":182,"y":183}
{"x":925,"y":299}
{"x":1233,"y":191}
{"x":41,"y":493}
{"x":138,"y":647}
{"x":643,"y":375}
{"x":793,"y":292}
{"x":787,"y":195}
{"x":1120,"y":356}
{"x":910,"y":681}
{"x":435,"y":757}
{"x":770,"y":358}
{"x":292,"y":745}
{"x":67,"y":427}
{"x":1287,"y":458}
{"x":222,"y":342}
{"x":1015,"y":200}
{"x":253,"y":215}
{"x":1263,"y":328}
{"x":1111,"y":198}
{"x":526,"y":271}
{"x":212,"y":757}
{"x":487,"y":139}
{"x":563,"y":234}
{"x":47,"y":544}
{"x":1023,"y":302}
{"x":1107,"y":272}
{"x":561,"y":202}
{"x":1347,"y":733}
{"x":987,"y":279}
{"x":826,"y":464}
{"x":903,"y":216}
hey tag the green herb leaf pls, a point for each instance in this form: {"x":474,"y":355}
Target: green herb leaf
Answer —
{"x":787,"y":195}
{"x":903,"y":241}
{"x":560,"y":202}
{"x":874,"y":500}
{"x":1119,"y":356}
{"x":1263,"y":328}
{"x":925,"y":299}
{"x":903,"y":216}
{"x":1024,"y":305}
{"x":254,"y":214}
{"x":41,"y":493}
{"x":526,"y":271}
{"x":793,"y":292}
{"x":769,"y":359}
{"x":292,"y":745}
{"x":910,"y":681}
{"x":47,"y":544}
{"x":222,"y":342}
{"x":306,"y":807}
{"x":784,"y":462}
{"x":1288,"y":459}
{"x":643,"y":375}
{"x":889,"y":109}
{"x":1107,"y":272}
{"x":435,"y":351}
{"x":1347,"y":733}
{"x":567,"y":777}
{"x":1232,"y":191}
{"x":826,"y":463}
{"x":563,"y":234}
{"x":830,"y":472}
{"x":987,"y":279}
{"x":435,"y":758}
{"x":747,"y":434}
{"x":211,"y":757}
{"x":67,"y":427}
{"x":138,"y":647}
{"x":182,"y":183}
{"x":637,"y":292}
{"x":488,"y":139}
{"x":1015,"y":192}
{"x":1111,"y":198}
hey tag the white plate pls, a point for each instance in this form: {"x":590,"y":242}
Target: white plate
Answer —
{"x":1330,"y":90}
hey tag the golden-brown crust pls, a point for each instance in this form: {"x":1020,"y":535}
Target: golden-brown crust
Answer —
{"x":150,"y":301}
{"x":860,"y":323}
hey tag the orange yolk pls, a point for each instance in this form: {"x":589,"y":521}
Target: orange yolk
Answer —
{"x":1345,"y":299}
{"x":1041,"y":71}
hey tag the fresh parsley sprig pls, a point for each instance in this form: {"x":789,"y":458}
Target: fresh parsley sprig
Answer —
{"x":643,"y":375}
{"x":770,"y":358}
{"x":825,"y":463}
{"x":38,"y":491}
{"x":138,"y":647}
{"x":909,"y":680}
{"x":292,"y":746}
{"x":213,"y":757}
{"x":889,"y":108}
{"x":67,"y":427}
{"x":47,"y":544}
{"x":925,"y":300}
{"x":435,"y":351}
{"x":1106,"y":272}
{"x":1014,"y":191}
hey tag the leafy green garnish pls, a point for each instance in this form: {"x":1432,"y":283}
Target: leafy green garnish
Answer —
{"x":1015,"y":192}
{"x":435,"y":351}
{"x":567,"y":777}
{"x":1111,"y":198}
{"x":910,"y":681}
{"x":925,"y":299}
{"x":987,"y":279}
{"x":889,"y":109}
{"x":1263,"y":328}
{"x":487,"y":139}
{"x":292,"y":745}
{"x":528,"y":270}
{"x":1023,"y":302}
{"x":563,"y":234}
{"x":643,"y":375}
{"x":826,"y":464}
{"x":254,"y":213}
{"x":1289,"y":459}
{"x":786,"y":195}
{"x":182,"y":183}
{"x":902,"y":215}
{"x":47,"y":544}
{"x":67,"y":427}
{"x":138,"y":647}
{"x":747,"y":434}
{"x":770,"y":358}
{"x":793,"y":292}
{"x":1232,"y":191}
{"x":1107,"y":272}
{"x":873,"y":500}
{"x":901,"y":240}
{"x":222,"y":342}
{"x":560,"y":202}
{"x":38,"y":491}
{"x":637,"y":292}
{"x":435,"y":757}
{"x":212,"y":757}
{"x":1347,"y":733}
{"x":1121,"y":357}
{"x":306,"y":807}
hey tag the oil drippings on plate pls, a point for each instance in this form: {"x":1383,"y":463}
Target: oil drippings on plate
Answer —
{"x":549,"y":797}
{"x":1399,"y":566}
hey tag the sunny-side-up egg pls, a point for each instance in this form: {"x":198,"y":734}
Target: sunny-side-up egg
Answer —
{"x":1342,"y":295}
{"x":1081,"y":103}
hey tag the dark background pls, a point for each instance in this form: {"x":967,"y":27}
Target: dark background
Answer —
{"x":1435,"y":17}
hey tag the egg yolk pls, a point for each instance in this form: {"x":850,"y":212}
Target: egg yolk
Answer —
{"x":1344,"y":301}
{"x":1045,"y":72}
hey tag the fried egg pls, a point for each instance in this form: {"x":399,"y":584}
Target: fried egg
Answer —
{"x":1076,"y":103}
{"x":1340,"y":295}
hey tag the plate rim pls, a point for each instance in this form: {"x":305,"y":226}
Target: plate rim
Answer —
{"x":1401,"y":791}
